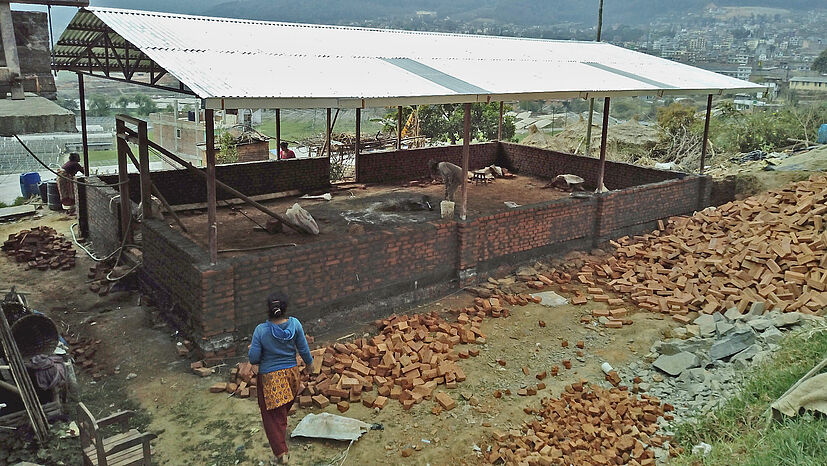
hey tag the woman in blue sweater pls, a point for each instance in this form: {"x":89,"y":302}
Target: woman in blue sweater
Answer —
{"x":274,"y":347}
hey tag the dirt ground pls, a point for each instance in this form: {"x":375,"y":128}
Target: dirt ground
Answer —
{"x":375,"y":207}
{"x":142,"y":369}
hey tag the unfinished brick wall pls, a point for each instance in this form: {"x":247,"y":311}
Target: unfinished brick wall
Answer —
{"x":218,"y":304}
{"x":252,"y":179}
{"x":328,"y":276}
{"x":548,"y":164}
{"x":412,"y":164}
{"x":100,"y":216}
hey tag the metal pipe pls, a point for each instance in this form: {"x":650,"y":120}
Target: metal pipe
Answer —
{"x":706,"y":132}
{"x":466,"y":152}
{"x":602,"y":170}
{"x":357,"y":143}
{"x":327,"y":141}
{"x":143,"y":169}
{"x":212,"y":225}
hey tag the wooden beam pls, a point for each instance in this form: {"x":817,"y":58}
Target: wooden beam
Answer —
{"x":123,"y":179}
{"x":83,"y":130}
{"x":500,"y":124}
{"x":466,"y":155}
{"x":278,"y":134}
{"x":604,"y":136}
{"x":157,"y":192}
{"x":212,"y":224}
{"x":706,"y":132}
{"x":399,"y":128}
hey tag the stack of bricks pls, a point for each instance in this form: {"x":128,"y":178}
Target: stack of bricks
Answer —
{"x":408,"y":359}
{"x":770,"y":249}
{"x":587,"y":425}
{"x":83,"y":352}
{"x":98,"y":282}
{"x":41,"y":248}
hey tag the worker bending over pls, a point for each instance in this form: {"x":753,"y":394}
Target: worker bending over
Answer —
{"x":451,"y":176}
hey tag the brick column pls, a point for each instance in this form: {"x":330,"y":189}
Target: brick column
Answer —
{"x":217,"y":324}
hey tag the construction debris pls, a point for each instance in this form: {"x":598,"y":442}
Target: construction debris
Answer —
{"x":766,"y":252}
{"x":586,"y":425}
{"x":41,"y":248}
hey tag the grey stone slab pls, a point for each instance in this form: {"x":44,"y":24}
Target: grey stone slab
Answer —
{"x":732,"y":344}
{"x":676,"y":363}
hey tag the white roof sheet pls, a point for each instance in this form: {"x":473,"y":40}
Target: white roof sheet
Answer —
{"x":254,"y":64}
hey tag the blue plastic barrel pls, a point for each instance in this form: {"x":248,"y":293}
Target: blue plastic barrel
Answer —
{"x":822,"y":134}
{"x":29,"y":184}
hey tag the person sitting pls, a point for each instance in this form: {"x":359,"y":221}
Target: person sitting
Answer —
{"x":65,"y":181}
{"x":451,"y":176}
{"x":286,"y":153}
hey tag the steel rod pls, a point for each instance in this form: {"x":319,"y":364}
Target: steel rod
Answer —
{"x":604,"y":136}
{"x":706,"y":132}
{"x":466,"y":152}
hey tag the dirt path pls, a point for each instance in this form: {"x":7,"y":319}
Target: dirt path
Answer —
{"x":196,"y":427}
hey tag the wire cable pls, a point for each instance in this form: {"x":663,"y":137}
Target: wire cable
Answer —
{"x":93,"y":185}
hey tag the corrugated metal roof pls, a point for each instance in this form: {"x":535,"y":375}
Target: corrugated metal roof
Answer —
{"x":253,"y":64}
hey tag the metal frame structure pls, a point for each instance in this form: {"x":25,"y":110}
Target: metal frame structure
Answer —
{"x":96,"y":43}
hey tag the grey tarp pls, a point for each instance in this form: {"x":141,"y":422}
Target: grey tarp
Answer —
{"x":330,"y":426}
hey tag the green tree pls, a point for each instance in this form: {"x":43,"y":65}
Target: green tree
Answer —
{"x":145,"y":104}
{"x":100,"y":105}
{"x":676,"y":118}
{"x":820,"y":63}
{"x":68,"y":104}
{"x":122,"y":102}
{"x":445,"y":122}
{"x":228,"y":150}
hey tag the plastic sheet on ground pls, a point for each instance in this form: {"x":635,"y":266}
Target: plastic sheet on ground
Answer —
{"x":551,"y":299}
{"x":810,"y":395}
{"x":330,"y":426}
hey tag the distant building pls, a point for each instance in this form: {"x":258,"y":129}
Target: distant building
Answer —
{"x":816,"y":83}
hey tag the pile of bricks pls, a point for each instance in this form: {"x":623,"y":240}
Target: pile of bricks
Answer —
{"x":586,"y":425}
{"x":406,"y":361}
{"x":769,"y":249}
{"x":83,"y":352}
{"x":41,"y":248}
{"x":98,"y":282}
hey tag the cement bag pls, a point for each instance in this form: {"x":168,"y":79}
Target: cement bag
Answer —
{"x":330,"y":426}
{"x":302,"y":219}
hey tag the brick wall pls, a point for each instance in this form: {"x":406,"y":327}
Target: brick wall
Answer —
{"x":548,"y":164}
{"x":327,"y":276}
{"x":100,"y":215}
{"x":253,"y":178}
{"x":642,"y":205}
{"x":218,"y":304}
{"x":412,"y":164}
{"x":254,"y":152}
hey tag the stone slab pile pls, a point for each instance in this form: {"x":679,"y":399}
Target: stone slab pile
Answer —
{"x":769,"y":249}
{"x":586,"y":425}
{"x":701,"y":367}
{"x":40,"y":248}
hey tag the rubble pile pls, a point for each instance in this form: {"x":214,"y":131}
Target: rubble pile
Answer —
{"x":98,"y":282}
{"x":698,"y":370}
{"x":83,"y":352}
{"x":586,"y":425}
{"x":771,"y":248}
{"x":406,"y":361}
{"x":41,"y":248}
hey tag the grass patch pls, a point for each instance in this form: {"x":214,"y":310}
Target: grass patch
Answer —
{"x":19,"y":200}
{"x":739,"y":431}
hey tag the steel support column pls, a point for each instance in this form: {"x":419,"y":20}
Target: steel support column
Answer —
{"x":399,"y":128}
{"x":706,"y":132}
{"x":357,"y":143}
{"x":84,"y":134}
{"x":278,"y":134}
{"x":328,"y":142}
{"x":466,"y":155}
{"x":143,"y":167}
{"x":603,"y":137}
{"x":500,"y":124}
{"x":212,"y":225}
{"x":123,"y":179}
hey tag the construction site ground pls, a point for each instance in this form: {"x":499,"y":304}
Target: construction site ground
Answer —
{"x":137,"y":355}
{"x":373,"y":207}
